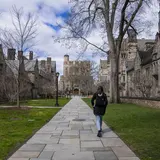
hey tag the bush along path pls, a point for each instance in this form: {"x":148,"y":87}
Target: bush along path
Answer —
{"x":72,"y":135}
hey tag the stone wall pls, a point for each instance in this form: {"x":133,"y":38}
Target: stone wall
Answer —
{"x":143,"y":102}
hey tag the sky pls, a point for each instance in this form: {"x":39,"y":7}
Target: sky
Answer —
{"x":49,"y":13}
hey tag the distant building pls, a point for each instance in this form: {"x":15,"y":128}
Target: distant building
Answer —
{"x":76,"y":77}
{"x":139,"y":66}
{"x":36,"y":78}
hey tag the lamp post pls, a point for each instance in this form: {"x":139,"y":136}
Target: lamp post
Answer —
{"x":57,"y":75}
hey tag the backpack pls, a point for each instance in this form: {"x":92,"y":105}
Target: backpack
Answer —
{"x":100,"y":100}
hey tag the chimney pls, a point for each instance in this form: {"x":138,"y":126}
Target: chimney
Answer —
{"x":11,"y":54}
{"x":66,"y":58}
{"x":49,"y":64}
{"x":49,"y":60}
{"x":31,"y":55}
{"x":20,"y":55}
{"x":43,"y":64}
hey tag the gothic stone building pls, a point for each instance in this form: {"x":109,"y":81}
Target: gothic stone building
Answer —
{"x":143,"y":72}
{"x":133,"y":52}
{"x":76,"y":77}
{"x":36,"y":78}
{"x":139,"y":70}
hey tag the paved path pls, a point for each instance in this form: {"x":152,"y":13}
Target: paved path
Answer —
{"x":64,"y":138}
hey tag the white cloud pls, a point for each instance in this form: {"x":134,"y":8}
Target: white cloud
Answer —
{"x":47,"y":13}
{"x":45,"y":43}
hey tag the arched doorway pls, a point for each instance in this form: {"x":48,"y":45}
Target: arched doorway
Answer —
{"x":76,"y":91}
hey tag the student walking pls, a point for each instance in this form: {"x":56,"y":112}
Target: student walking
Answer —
{"x":99,"y":103}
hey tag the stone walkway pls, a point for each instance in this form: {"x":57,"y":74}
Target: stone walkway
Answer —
{"x":66,"y":138}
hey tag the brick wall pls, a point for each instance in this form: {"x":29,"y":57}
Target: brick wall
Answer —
{"x":142,"y":102}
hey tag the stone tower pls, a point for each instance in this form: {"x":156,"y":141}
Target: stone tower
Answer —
{"x":49,"y":67}
{"x":66,"y":65}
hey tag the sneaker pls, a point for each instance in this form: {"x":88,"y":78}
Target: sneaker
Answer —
{"x":101,"y":131}
{"x":99,"y":134}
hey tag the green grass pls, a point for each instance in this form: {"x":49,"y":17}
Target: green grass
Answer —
{"x":42,"y":102}
{"x":47,"y":102}
{"x":138,"y":126}
{"x":16,"y":126}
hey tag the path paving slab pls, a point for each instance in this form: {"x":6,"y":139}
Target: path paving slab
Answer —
{"x":18,"y":159}
{"x":108,"y":142}
{"x":123,"y":151}
{"x":73,"y":156}
{"x":23,"y":154}
{"x":108,"y":155}
{"x":129,"y":158}
{"x":89,"y":137}
{"x":72,"y":135}
{"x":32,"y":147}
{"x":46,"y":155}
{"x":90,"y":144}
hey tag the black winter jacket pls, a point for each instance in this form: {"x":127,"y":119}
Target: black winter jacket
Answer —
{"x":100,"y":104}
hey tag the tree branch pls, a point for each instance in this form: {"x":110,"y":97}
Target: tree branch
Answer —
{"x":133,"y":16}
{"x":97,"y":8}
{"x":114,"y":7}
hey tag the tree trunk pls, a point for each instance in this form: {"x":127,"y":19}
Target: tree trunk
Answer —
{"x":117,"y":80}
{"x":114,"y":79}
{"x":18,"y":95}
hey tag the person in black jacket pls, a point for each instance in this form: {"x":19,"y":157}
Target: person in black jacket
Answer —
{"x":99,"y":103}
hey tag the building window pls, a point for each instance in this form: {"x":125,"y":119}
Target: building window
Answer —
{"x":147,"y":71}
{"x":1,"y":67}
{"x":66,"y":71}
{"x":138,"y":75}
{"x":123,"y":78}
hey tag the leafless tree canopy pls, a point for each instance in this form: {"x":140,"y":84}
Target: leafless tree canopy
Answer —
{"x":112,"y":19}
{"x":141,"y":84}
{"x":105,"y":15}
{"x":24,"y":31}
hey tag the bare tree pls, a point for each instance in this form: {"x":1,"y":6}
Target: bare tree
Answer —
{"x":22,"y":36}
{"x":112,"y":18}
{"x":47,"y":86}
{"x":16,"y":81}
{"x":141,"y":84}
{"x":7,"y":87}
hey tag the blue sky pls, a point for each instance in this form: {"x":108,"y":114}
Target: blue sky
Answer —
{"x":49,"y":13}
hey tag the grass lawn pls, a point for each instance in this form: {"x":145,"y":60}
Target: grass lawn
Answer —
{"x":47,"y":102}
{"x":138,"y":126}
{"x":43,"y":102}
{"x":16,"y":126}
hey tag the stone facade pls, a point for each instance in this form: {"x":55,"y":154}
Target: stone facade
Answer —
{"x":35,"y":80}
{"x":76,"y":77}
{"x":131,"y":67}
{"x":139,"y":67}
{"x":142,"y":102}
{"x":143,"y":76}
